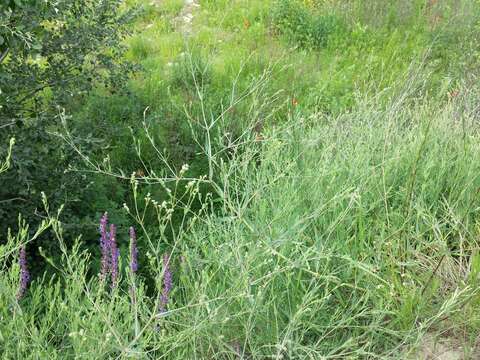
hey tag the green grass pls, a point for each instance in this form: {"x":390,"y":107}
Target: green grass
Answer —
{"x":330,"y":209}
{"x":328,"y":245}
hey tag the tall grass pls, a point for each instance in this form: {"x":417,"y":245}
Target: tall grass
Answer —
{"x":325,"y":214}
{"x":344,"y":236}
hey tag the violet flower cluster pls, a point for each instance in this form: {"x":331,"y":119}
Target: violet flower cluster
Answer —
{"x":111,"y":253}
{"x":133,"y":251}
{"x":24,"y":273}
{"x":167,"y":283}
{"x":104,"y":248}
{"x":114,"y":255}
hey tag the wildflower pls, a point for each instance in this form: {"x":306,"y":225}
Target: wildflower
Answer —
{"x":453,"y":94}
{"x":167,"y":283}
{"x":104,"y":248}
{"x":24,"y":274}
{"x":114,"y":253}
{"x":133,"y":251}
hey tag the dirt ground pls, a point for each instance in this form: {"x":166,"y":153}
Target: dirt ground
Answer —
{"x":434,"y":348}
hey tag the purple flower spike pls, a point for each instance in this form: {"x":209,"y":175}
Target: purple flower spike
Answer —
{"x":133,"y":251}
{"x":104,"y":247}
{"x":167,"y":283}
{"x":24,"y":274}
{"x":115,"y":252}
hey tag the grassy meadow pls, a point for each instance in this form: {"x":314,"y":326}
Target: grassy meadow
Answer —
{"x":289,"y":179}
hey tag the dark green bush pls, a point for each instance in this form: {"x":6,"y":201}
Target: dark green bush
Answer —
{"x":52,"y":54}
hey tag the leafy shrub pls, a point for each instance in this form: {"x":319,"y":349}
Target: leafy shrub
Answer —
{"x":53,"y":53}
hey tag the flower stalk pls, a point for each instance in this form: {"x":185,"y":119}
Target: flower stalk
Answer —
{"x":167,"y":284}
{"x":115,"y":253}
{"x":24,"y":273}
{"x":104,"y":248}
